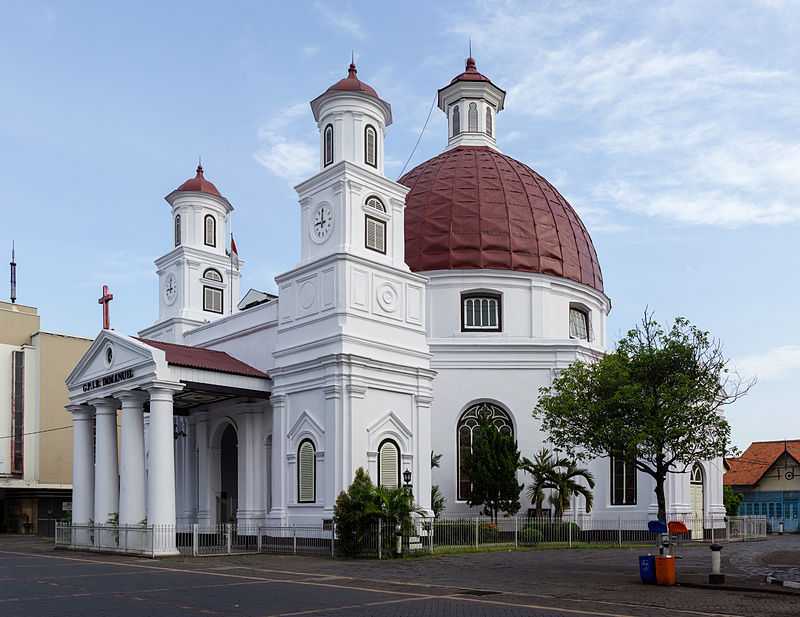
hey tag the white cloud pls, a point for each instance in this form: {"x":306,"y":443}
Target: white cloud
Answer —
{"x":341,"y":19}
{"x":292,"y":159}
{"x":773,"y":364}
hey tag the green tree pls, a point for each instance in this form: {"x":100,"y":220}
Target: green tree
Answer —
{"x":438,"y":501}
{"x":355,"y":512}
{"x":657,"y":398}
{"x":562,"y":477}
{"x":492,"y":467}
{"x":732,"y":501}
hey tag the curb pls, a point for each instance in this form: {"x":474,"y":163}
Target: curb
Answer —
{"x":744,"y":588}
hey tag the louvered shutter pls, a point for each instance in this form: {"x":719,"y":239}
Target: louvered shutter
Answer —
{"x":306,"y":473}
{"x":389,"y":461}
{"x":376,"y":234}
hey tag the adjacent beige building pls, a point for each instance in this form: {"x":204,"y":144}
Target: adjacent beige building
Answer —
{"x":35,"y":429}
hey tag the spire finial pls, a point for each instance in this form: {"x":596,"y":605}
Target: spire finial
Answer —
{"x":351,"y":71}
{"x":470,"y":47}
{"x":199,"y":164}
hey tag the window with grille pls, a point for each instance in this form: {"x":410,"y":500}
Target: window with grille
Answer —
{"x":488,"y":121}
{"x":623,"y":481}
{"x":17,"y":411}
{"x":177,"y":229}
{"x":212,"y":275}
{"x":371,"y":146}
{"x":328,"y":146}
{"x":212,"y":299}
{"x":481,"y":312}
{"x":465,"y":431}
{"x":578,"y":324}
{"x":377,"y":204}
{"x":473,"y":117}
{"x":456,"y":121}
{"x":306,"y":472}
{"x":210,"y":226}
{"x":375,"y":234}
{"x":388,"y":464}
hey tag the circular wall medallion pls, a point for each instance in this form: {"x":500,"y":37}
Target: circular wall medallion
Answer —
{"x":307,"y":295}
{"x":109,"y":356}
{"x":789,"y":475}
{"x":387,"y":297}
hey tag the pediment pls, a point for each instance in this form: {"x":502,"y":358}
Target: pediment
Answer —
{"x":389,"y":425}
{"x":112,"y":359}
{"x":307,"y":425}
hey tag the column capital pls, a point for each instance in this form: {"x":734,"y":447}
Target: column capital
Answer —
{"x":105,"y":405}
{"x":163,"y":390}
{"x":131,"y":397}
{"x":80,"y":411}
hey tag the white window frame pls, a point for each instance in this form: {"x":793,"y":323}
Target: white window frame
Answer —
{"x":628,"y":466}
{"x":389,"y":443}
{"x":586,"y":314}
{"x":206,"y":219}
{"x":300,"y":471}
{"x":208,"y":305}
{"x":494,"y":309}
{"x":369,"y":129}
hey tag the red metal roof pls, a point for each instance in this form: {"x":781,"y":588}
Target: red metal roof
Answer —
{"x":473,"y":207}
{"x":200,"y":184}
{"x":470,"y":73}
{"x":750,"y":467}
{"x":351,"y":83}
{"x":206,"y":359}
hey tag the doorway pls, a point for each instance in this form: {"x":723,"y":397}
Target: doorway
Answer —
{"x":697,"y":489}
{"x":229,"y":475}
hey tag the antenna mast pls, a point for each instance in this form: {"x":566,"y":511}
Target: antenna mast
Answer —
{"x":13,"y":275}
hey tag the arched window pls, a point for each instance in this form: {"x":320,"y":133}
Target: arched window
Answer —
{"x":210,"y":230}
{"x":473,"y":117}
{"x":456,"y":121}
{"x":177,"y":229}
{"x":306,"y":472}
{"x":481,"y":311}
{"x":468,"y":424}
{"x":374,"y":227}
{"x":697,"y":474}
{"x":578,"y":323}
{"x":371,"y":146}
{"x":328,"y":147}
{"x":212,"y":275}
{"x":388,"y":464}
{"x":489,"y":121}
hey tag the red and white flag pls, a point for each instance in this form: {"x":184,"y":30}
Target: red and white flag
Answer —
{"x":234,"y":254}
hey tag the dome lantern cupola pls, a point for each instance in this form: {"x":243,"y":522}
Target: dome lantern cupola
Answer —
{"x":471,"y":102}
{"x":352,"y":121}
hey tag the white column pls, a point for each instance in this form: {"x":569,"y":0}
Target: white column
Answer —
{"x":189,"y":479}
{"x":205,"y":498}
{"x":131,"y":460}
{"x":422,"y":456}
{"x":106,"y":475}
{"x":251,"y":472}
{"x":82,"y":464}
{"x":161,"y":479}
{"x":278,"y":512}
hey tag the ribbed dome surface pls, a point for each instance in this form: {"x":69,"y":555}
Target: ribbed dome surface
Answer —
{"x":475,"y":208}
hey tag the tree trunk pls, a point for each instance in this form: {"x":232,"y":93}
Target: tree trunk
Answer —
{"x":661,"y":499}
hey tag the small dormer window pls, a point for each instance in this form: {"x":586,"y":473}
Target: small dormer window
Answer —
{"x":328,"y":145}
{"x":210,"y":230}
{"x":371,"y":146}
{"x":456,"y":121}
{"x":473,"y":117}
{"x":177,"y":229}
{"x":481,"y":312}
{"x":212,"y":275}
{"x":489,"y":121}
{"x":579,"y":323}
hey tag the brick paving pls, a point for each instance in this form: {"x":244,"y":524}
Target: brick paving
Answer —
{"x":39,"y":582}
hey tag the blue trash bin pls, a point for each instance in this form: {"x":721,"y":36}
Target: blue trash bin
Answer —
{"x":647,"y":569}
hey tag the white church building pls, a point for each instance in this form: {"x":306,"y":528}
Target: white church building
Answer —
{"x":462,"y":287}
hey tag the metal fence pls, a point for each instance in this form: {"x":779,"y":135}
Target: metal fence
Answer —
{"x":377,"y":539}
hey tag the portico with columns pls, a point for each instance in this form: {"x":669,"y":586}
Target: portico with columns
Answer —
{"x":145,"y":416}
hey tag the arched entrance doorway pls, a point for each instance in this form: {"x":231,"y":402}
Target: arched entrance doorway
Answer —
{"x":229,"y":475}
{"x":697,"y":496}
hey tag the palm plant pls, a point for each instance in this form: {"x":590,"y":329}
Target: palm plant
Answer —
{"x":562,"y":477}
{"x":438,"y":501}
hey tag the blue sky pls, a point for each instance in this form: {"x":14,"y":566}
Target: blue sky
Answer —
{"x":672,"y":129}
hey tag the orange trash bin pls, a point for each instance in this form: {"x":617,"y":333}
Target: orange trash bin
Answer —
{"x":665,"y":570}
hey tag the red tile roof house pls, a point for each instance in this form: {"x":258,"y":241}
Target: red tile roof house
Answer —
{"x":767,"y":474}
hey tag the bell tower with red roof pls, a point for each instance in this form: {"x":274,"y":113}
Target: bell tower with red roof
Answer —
{"x":198,"y":281}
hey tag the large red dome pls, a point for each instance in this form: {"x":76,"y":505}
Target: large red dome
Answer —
{"x":473,"y":207}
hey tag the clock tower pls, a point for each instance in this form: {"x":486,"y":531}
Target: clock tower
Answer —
{"x":197,"y":281}
{"x":352,"y":371}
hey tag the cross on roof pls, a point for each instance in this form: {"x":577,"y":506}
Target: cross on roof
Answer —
{"x":104,"y":300}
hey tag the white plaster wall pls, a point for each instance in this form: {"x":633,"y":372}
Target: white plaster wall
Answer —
{"x":5,"y":406}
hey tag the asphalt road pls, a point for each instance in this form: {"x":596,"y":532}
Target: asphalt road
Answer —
{"x":36,"y":581}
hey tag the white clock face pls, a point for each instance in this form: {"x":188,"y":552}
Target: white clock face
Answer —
{"x":170,"y":288}
{"x":321,"y":223}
